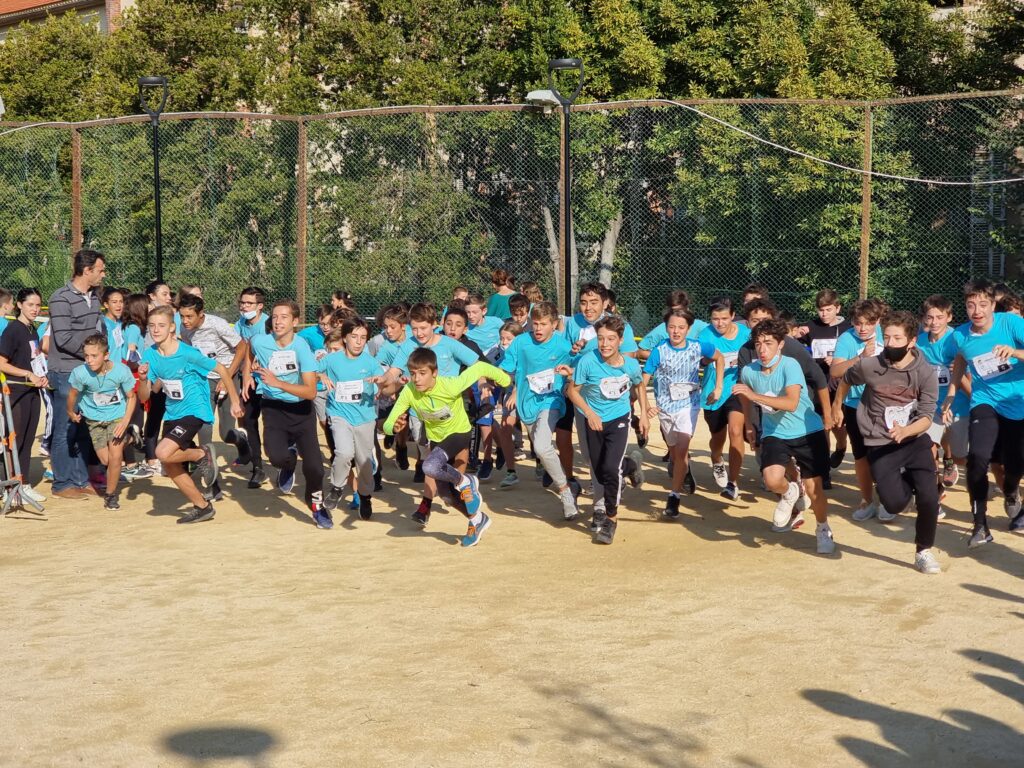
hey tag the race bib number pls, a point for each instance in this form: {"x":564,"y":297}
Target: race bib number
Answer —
{"x":283,"y":362}
{"x":822,"y":348}
{"x":989,"y":366}
{"x":101,"y":399}
{"x":495,"y":355}
{"x":207,"y":349}
{"x":588,"y":333}
{"x":173,"y":388}
{"x":39,"y":365}
{"x":320,"y":354}
{"x":768,"y":408}
{"x":681,"y":390}
{"x":614,"y":387}
{"x":348,"y":391}
{"x":118,"y":335}
{"x":899,"y":415}
{"x":730,"y":359}
{"x":441,"y":414}
{"x":542,"y":382}
{"x":942,"y":375}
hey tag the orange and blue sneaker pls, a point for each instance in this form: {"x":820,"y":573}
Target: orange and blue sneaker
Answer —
{"x":471,"y":495}
{"x":474,"y":532}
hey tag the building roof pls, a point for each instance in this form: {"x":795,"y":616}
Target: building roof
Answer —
{"x":16,"y":6}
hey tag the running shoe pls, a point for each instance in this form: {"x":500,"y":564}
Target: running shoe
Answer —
{"x":213,"y":493}
{"x":730,"y":492}
{"x":31,"y":493}
{"x":926,"y":562}
{"x":784,"y":507}
{"x":257,"y":478}
{"x":421,"y":516}
{"x":206,"y":468}
{"x":837,"y":458}
{"x":884,"y":515}
{"x":950,"y":473}
{"x":636,"y":477}
{"x":1011,"y":504}
{"x":538,"y":472}
{"x":470,"y":494}
{"x":323,"y":518}
{"x":365,"y":507}
{"x":286,"y":477}
{"x":865,"y":512}
{"x":569,"y":509}
{"x":475,"y":532}
{"x":826,"y":542}
{"x":721,"y":475}
{"x":689,"y":484}
{"x":575,"y":487}
{"x":402,"y":456}
{"x":672,"y":507}
{"x":485,"y":471}
{"x":511,"y":479}
{"x":198,"y":515}
{"x":795,"y":521}
{"x":354,"y":504}
{"x":1017,"y":523}
{"x":598,"y":517}
{"x":605,"y":533}
{"x":980,"y":537}
{"x":334,"y":498}
{"x":110,"y":501}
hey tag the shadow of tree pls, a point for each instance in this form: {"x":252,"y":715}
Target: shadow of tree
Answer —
{"x":205,"y":745}
{"x":997,"y":594}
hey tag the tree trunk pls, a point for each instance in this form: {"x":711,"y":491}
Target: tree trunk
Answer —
{"x":553,"y":252}
{"x":608,"y":244}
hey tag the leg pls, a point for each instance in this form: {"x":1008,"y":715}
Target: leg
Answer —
{"x":25,"y":413}
{"x":173,"y":457}
{"x":154,"y":419}
{"x":304,"y":433}
{"x":67,"y":458}
{"x":251,"y":424}
{"x":982,"y":435}
{"x":610,"y":466}
{"x":542,"y":436}
{"x":344,"y":450}
{"x":736,"y":445}
{"x":885,"y":464}
{"x":365,"y":444}
{"x":680,"y":460}
{"x":1011,"y":438}
{"x":918,"y":468}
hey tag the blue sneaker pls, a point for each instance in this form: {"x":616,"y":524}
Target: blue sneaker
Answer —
{"x":286,"y":478}
{"x":323,"y":519}
{"x":473,"y":534}
{"x":354,"y":504}
{"x":471,"y":495}
{"x":485,"y":471}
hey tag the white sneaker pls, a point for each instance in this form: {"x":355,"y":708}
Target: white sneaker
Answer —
{"x":721,"y":475}
{"x":864,"y":512}
{"x":826,"y":543}
{"x":784,"y":508}
{"x":795,"y":522}
{"x":569,"y":508}
{"x":883,"y":514}
{"x":1011,"y":505}
{"x":926,"y":562}
{"x":941,"y":515}
{"x":803,"y":503}
{"x":31,"y":493}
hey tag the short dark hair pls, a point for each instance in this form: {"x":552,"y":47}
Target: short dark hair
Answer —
{"x":762,"y":305}
{"x":980,"y":288}
{"x":596,"y":288}
{"x":612,"y":323}
{"x":827,"y":298}
{"x":936,"y":301}
{"x":677,"y":298}
{"x":518,"y":302}
{"x":423,"y":313}
{"x":869,"y":309}
{"x":903,"y":319}
{"x":84,"y":259}
{"x":721,"y":303}
{"x":678,"y":311}
{"x":352,"y":324}
{"x":775,"y":327}
{"x":457,"y":312}
{"x":257,"y":293}
{"x":191,"y":301}
{"x":421,"y":357}
{"x":757,"y":289}
{"x":97,"y":340}
{"x":395,"y":312}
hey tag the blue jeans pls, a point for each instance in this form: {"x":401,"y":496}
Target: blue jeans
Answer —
{"x":70,"y":443}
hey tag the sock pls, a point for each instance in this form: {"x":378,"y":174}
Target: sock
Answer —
{"x":477,"y":518}
{"x":426,"y":503}
{"x":463,"y":483}
{"x":673,"y":494}
{"x":823,"y":527}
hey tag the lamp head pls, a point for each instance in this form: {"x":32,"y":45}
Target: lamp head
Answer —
{"x":565,"y":65}
{"x":147,"y":84}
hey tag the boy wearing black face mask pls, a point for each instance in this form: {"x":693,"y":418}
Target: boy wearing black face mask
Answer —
{"x":895,"y":411}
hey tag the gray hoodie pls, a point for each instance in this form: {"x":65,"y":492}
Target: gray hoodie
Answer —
{"x":892,"y":395}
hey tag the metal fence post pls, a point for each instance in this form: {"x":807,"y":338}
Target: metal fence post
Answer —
{"x":301,"y":197}
{"x":865,"y":205}
{"x":76,"y":190}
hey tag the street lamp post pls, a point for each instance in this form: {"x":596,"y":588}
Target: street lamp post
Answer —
{"x":148,"y":85}
{"x":549,"y":99}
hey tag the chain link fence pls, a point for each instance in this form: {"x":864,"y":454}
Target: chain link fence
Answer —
{"x":410,"y":202}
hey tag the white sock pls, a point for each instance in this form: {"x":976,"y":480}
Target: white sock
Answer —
{"x":477,"y":518}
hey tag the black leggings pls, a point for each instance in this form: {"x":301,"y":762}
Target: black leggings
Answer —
{"x":992,"y":437}
{"x":251,"y":423}
{"x":608,"y":459}
{"x":25,"y":411}
{"x":154,"y":418}
{"x":918,"y":478}
{"x":294,"y":424}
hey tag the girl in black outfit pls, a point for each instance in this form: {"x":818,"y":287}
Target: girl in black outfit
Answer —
{"x":22,"y":359}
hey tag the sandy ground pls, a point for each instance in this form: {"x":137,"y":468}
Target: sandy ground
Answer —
{"x":258,"y":640}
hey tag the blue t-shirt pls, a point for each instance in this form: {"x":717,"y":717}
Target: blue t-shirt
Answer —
{"x":182,"y":377}
{"x":133,"y":337}
{"x":351,"y":397}
{"x":388,"y":352}
{"x":487,"y":334}
{"x":538,"y":387}
{"x":730,"y":351}
{"x":675,"y":372}
{"x":606,"y":388}
{"x":994,"y":382}
{"x":785,"y":425}
{"x":659,"y":333}
{"x":577,"y":327}
{"x":288,"y":363}
{"x":450,"y":355}
{"x":314,"y":336}
{"x":940,"y":355}
{"x":115,"y":337}
{"x":103,"y":395}
{"x":4,"y":322}
{"x":248,"y":330}
{"x":847,"y":348}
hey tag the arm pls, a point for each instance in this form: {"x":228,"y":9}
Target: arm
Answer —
{"x":13,"y":370}
{"x":400,"y":409}
{"x":129,"y":409}
{"x":306,"y":390}
{"x":956,"y":377}
{"x":576,"y":397}
{"x":72,"y":406}
{"x":481,"y":370}
{"x":837,"y":404}
{"x":826,"y":406}
{"x":652,"y":410}
{"x":145,"y":388}
{"x":787,"y":402}
{"x":241,"y":352}
{"x":64,"y":338}
{"x":640,"y":391}
{"x":228,"y":383}
{"x":716,"y":393}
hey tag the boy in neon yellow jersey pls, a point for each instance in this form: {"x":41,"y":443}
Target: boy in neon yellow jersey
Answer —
{"x":437,"y":401}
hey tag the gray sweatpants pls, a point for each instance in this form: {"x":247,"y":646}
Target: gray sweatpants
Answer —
{"x":353,"y":446}
{"x":542,"y":438}
{"x":222,"y":410}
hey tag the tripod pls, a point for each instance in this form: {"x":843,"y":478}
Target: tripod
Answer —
{"x":10,"y":467}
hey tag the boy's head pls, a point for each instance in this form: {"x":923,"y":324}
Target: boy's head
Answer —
{"x":96,"y":351}
{"x":340,"y":315}
{"x":334,"y":340}
{"x":678,"y":322}
{"x":355,"y":333}
{"x":423,"y":321}
{"x":758,"y":310}
{"x":721,"y":313}
{"x":545,"y":319}
{"x":769,"y":336}
{"x":610,"y":330}
{"x":611,"y":303}
{"x":593,"y":298}
{"x":531,"y":291}
{"x":459,"y":293}
{"x":161,"y":323}
{"x":677,"y":298}
{"x":6,"y":302}
{"x":392,"y":320}
{"x":476,"y":308}
{"x":456,"y":322}
{"x":754,"y":291}
{"x":422,"y":367}
{"x":519,"y":308}
{"x":828,"y":305}
{"x":324,"y":315}
{"x":1011,"y":302}
{"x":284,"y":317}
{"x":899,"y":334}
{"x":250,"y":302}
{"x":980,"y":301}
{"x":509,"y":330}
{"x":936,"y":314}
{"x":191,"y":309}
{"x":865,"y":315}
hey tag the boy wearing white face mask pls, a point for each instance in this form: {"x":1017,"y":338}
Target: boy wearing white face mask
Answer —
{"x":252,"y":322}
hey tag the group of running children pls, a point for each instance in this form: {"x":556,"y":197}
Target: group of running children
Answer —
{"x":912,"y":397}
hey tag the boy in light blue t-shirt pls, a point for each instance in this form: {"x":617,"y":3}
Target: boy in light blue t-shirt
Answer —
{"x":103,"y":393}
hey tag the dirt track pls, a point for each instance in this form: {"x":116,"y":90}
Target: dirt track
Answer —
{"x":258,"y":640}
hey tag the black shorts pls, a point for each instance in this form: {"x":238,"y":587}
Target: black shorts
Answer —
{"x":183,"y":430}
{"x":718,"y":419}
{"x":453,"y":445}
{"x":853,"y":431}
{"x":810,"y":453}
{"x":568,"y":418}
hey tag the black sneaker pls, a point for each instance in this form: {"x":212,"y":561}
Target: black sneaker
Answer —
{"x":577,"y":489}
{"x":980,"y":537}
{"x":389,"y":440}
{"x":606,"y":532}
{"x":596,"y":521}
{"x":485,"y":471}
{"x":689,"y":484}
{"x":402,"y":456}
{"x":837,"y":458}
{"x":826,"y":482}
{"x":365,"y":507}
{"x":110,"y":502}
{"x":641,"y":440}
{"x":1017,"y":524}
{"x":198,"y":515}
{"x":422,"y":514}
{"x":499,"y":460}
{"x":419,"y":477}
{"x":257,"y":478}
{"x":334,"y":497}
{"x":206,"y":468}
{"x":672,"y":507}
{"x":214,"y":493}
{"x":547,"y":480}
